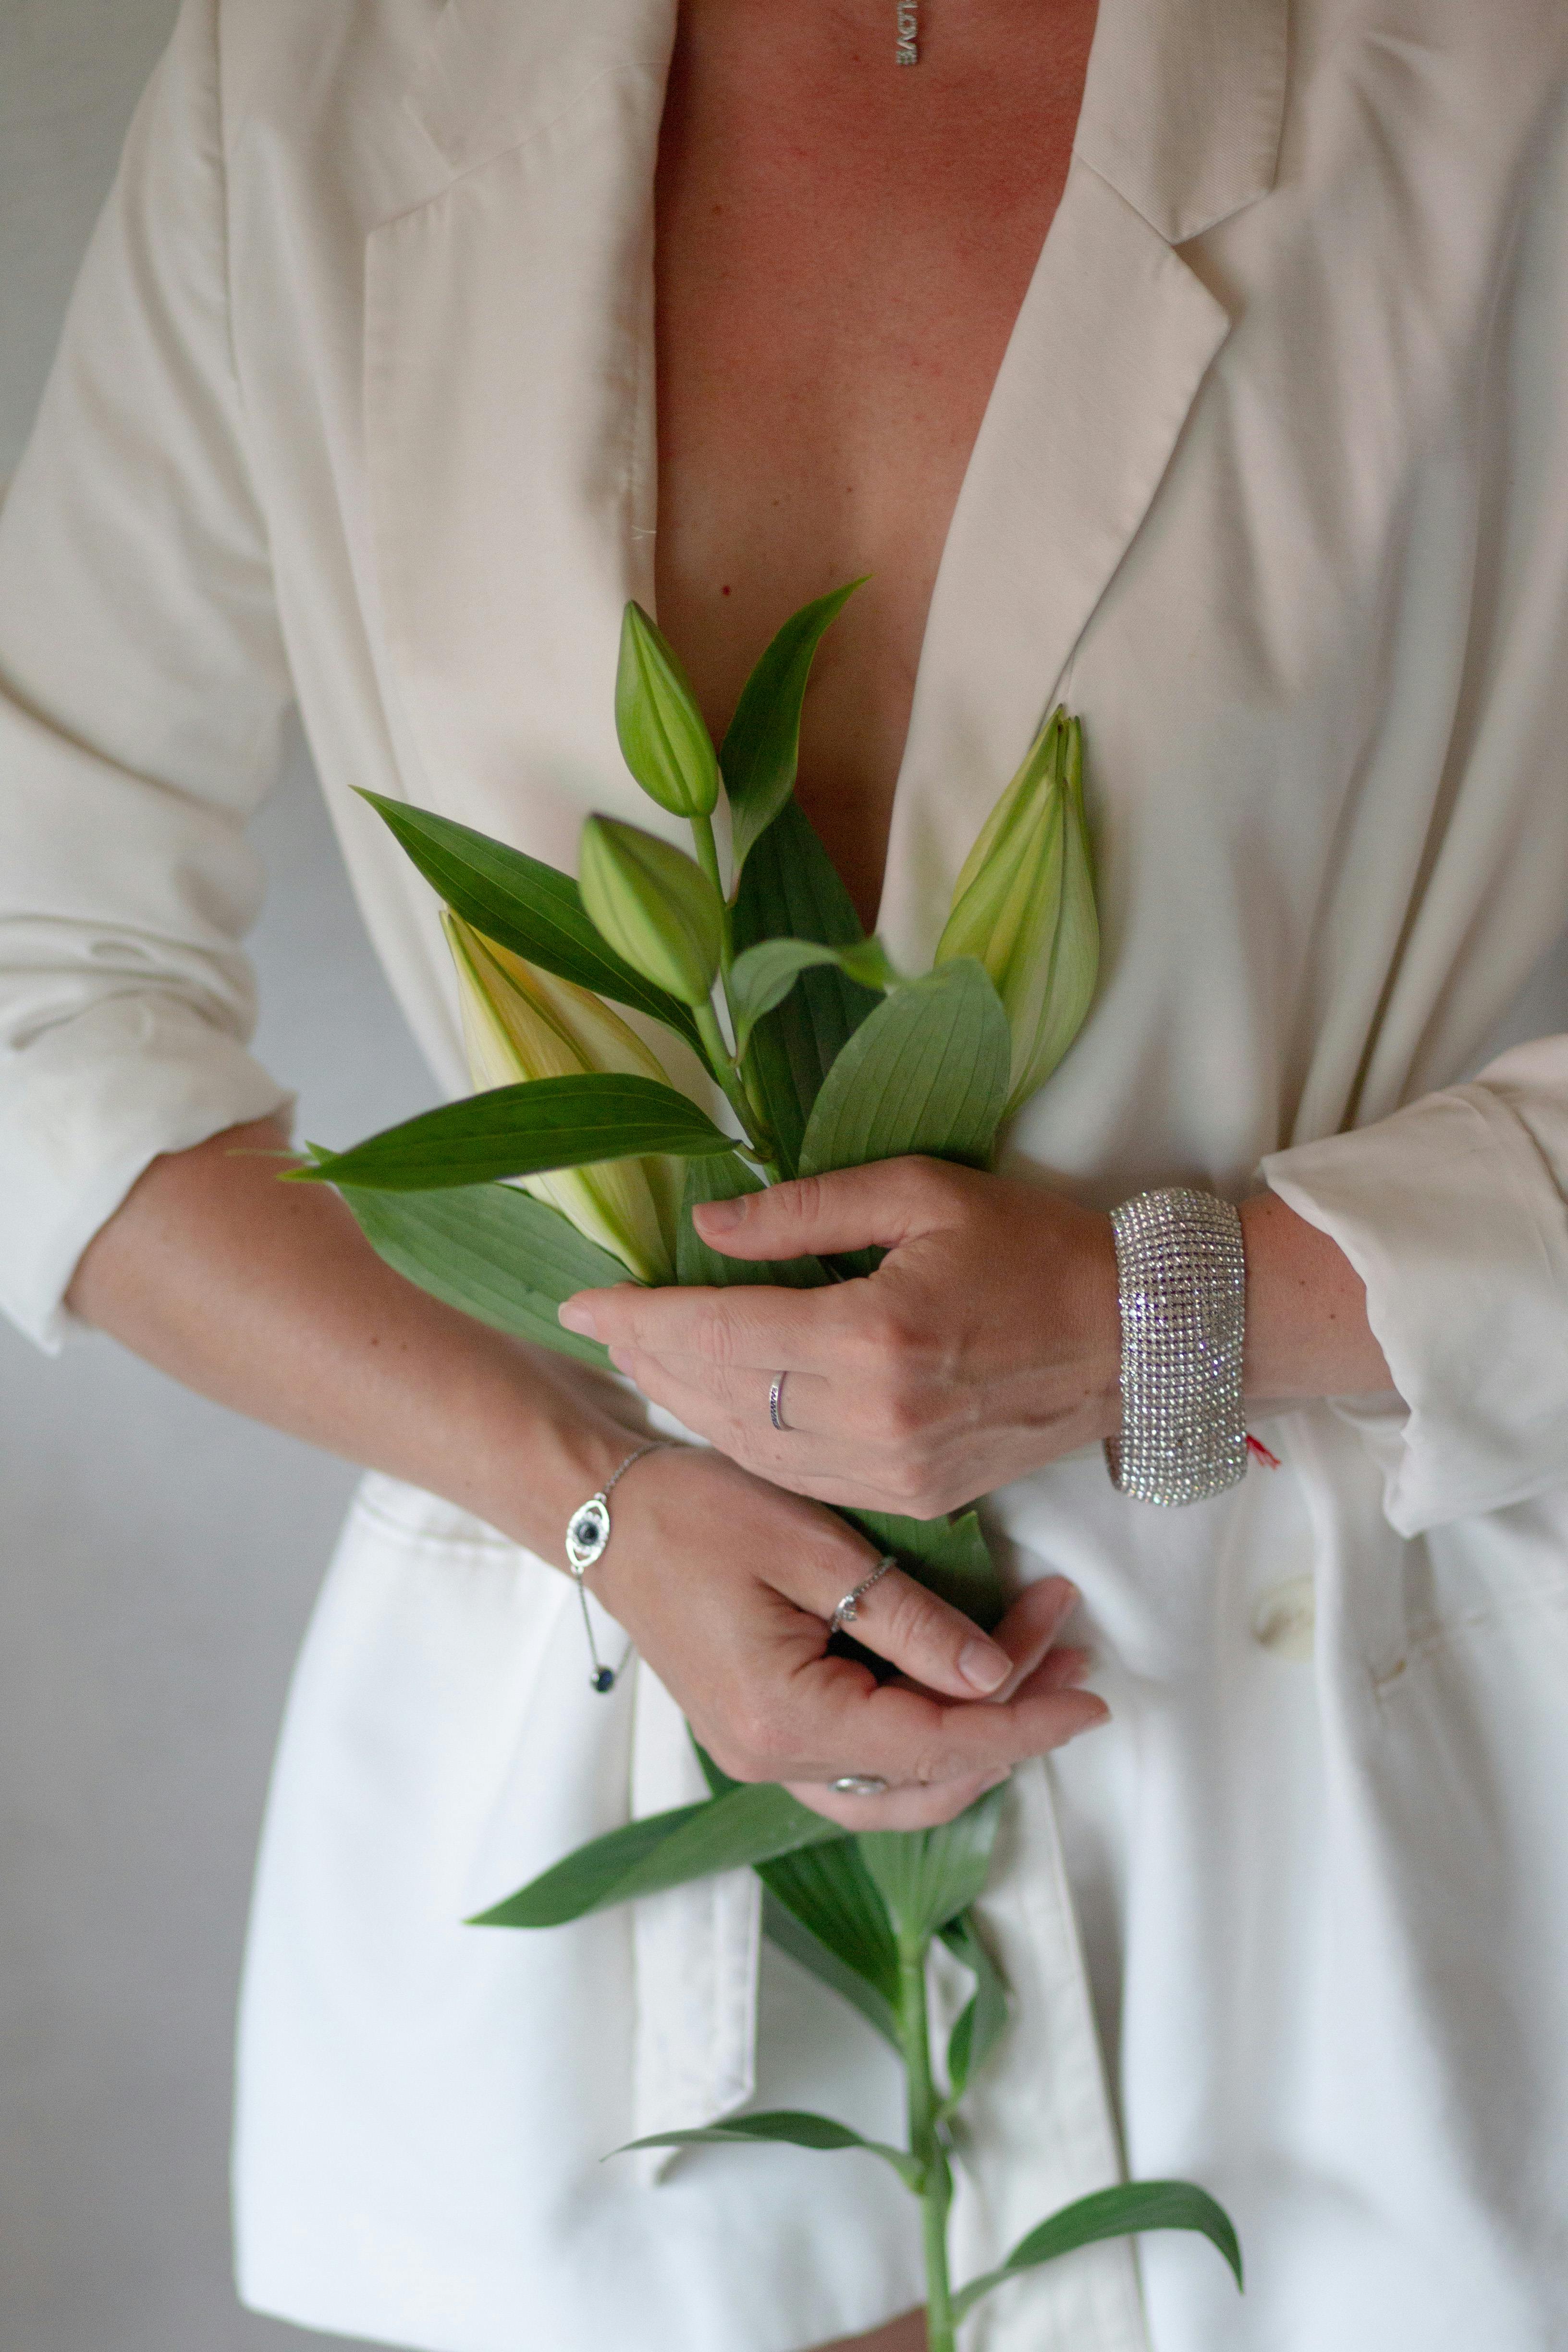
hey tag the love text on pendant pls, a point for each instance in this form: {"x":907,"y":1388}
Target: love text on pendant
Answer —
{"x":908,"y":27}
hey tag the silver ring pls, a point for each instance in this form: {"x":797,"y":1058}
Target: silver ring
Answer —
{"x":849,"y":1608}
{"x":775,"y":1401}
{"x":858,"y":1784}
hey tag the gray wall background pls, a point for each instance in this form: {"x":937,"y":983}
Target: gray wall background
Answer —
{"x":158,"y":1558}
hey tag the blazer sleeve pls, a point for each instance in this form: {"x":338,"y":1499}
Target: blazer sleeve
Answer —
{"x":1454,"y":1212}
{"x":1454,"y":1209}
{"x":143,"y":689}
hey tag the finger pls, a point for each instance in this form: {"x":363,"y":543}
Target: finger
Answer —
{"x":889,"y":1202}
{"x":847,"y":1724}
{"x":1031,"y":1627}
{"x":909,"y":1807}
{"x":934,"y":1644}
{"x":757,"y":1326}
{"x":914,"y":1807}
{"x":807,"y":1403}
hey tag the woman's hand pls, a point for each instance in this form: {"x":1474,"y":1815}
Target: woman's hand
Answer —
{"x":726,"y":1584}
{"x":986,"y":1343}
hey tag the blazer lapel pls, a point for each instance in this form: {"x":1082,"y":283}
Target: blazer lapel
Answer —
{"x":508,"y":407}
{"x":1180,"y":128}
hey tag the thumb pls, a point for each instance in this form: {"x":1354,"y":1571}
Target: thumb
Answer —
{"x":884,"y":1205}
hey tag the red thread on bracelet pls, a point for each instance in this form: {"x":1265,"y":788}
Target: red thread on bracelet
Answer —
{"x":1261,"y":1453}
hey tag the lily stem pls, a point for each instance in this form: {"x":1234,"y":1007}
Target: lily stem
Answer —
{"x":926,"y":2142}
{"x":727,"y":1071}
{"x":708,"y":858}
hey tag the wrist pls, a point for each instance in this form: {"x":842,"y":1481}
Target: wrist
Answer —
{"x":1306,"y":1329}
{"x":1096,"y":1312}
{"x":561,"y":1451}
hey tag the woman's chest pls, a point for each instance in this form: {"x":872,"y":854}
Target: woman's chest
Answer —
{"x":842,"y":248}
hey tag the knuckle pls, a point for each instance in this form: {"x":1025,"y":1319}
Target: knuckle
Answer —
{"x":763,"y":1736}
{"x":799,"y":1202}
{"x":883,"y":1335}
{"x":734,"y":1760}
{"x":934,"y":1185}
{"x":906,"y":1480}
{"x":913,"y":1617}
{"x":716,"y":1336}
{"x":901,"y":1408}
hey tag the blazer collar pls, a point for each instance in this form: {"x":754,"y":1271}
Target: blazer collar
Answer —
{"x":1182,"y":112}
{"x":1184,"y":107}
{"x":498,"y":70}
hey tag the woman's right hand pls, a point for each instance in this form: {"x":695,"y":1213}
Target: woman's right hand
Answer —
{"x":726,"y":1584}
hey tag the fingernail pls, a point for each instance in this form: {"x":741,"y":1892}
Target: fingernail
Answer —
{"x":984,"y":1667}
{"x":1101,"y":1715}
{"x":719,"y":1216}
{"x":577,"y":1316}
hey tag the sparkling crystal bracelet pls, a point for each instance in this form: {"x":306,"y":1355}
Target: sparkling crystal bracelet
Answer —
{"x":1181,"y":1280}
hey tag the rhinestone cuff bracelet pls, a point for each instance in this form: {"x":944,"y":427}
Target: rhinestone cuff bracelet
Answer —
{"x":1182,"y":1285}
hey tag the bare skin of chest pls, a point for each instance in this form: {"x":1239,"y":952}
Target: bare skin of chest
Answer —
{"x":842,"y":247}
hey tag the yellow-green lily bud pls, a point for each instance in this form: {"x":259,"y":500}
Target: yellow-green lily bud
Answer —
{"x":521,"y":1023}
{"x":654,"y":905}
{"x":1023,"y":905}
{"x":663,"y":738}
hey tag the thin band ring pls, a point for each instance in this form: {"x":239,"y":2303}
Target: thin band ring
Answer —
{"x":775,"y":1403}
{"x":858,"y":1784}
{"x":849,"y":1608}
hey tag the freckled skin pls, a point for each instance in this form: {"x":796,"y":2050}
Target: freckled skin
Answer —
{"x":842,"y":248}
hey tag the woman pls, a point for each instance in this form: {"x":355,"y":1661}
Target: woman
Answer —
{"x":1254,"y":459}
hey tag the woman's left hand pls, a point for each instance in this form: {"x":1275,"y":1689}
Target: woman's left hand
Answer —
{"x":986,"y":1343}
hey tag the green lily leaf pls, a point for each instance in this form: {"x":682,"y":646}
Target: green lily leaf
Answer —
{"x":927,"y":1877}
{"x":747,"y":1825}
{"x":790,"y":889}
{"x":762,"y":749}
{"x":1121,"y":2212}
{"x":831,"y":1893}
{"x":526,"y":906}
{"x":663,"y":738}
{"x":949,"y":1557}
{"x":723,"y":1176}
{"x":796,"y":2128}
{"x":984,"y":2017}
{"x":783,"y":1927}
{"x":926,"y":1073}
{"x":591,"y":1877}
{"x":496,"y":1254}
{"x":763,"y":976}
{"x":521,"y":1130}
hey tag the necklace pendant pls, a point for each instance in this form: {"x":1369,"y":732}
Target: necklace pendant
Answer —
{"x":909,"y":32}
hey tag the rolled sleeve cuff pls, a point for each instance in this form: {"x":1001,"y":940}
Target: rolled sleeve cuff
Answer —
{"x":1452,"y":1220}
{"x":83,"y":1110}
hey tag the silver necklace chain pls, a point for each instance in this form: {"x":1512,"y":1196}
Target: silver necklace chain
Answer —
{"x":908,"y":32}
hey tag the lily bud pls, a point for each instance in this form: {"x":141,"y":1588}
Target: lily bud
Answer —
{"x":518,"y":1024}
{"x":654,"y":905}
{"x":664,"y":741}
{"x":1023,"y":905}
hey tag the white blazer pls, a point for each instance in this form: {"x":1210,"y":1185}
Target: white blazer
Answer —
{"x":355,"y":409}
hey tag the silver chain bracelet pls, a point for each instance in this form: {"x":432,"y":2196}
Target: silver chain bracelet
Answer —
{"x":1182,"y":1281}
{"x":587,"y":1534}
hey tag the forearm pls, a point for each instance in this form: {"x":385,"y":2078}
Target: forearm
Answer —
{"x":268,"y":1297}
